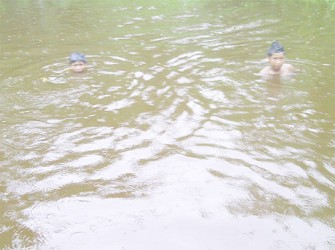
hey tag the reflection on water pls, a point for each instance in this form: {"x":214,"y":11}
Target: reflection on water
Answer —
{"x":170,"y":140}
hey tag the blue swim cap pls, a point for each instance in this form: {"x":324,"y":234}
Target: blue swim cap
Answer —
{"x":77,"y":57}
{"x":276,"y":47}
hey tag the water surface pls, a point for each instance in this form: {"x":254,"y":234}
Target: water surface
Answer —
{"x":170,"y":140}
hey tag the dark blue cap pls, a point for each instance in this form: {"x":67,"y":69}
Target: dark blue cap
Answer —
{"x":276,"y":47}
{"x":77,"y":57}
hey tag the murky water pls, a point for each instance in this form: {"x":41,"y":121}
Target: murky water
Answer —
{"x":170,"y":140}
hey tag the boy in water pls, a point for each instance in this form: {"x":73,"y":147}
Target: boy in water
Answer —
{"x":78,"y":62}
{"x":277,"y":65}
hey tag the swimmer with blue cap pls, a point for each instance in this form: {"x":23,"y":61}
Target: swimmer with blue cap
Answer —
{"x":78,"y":62}
{"x":276,"y":59}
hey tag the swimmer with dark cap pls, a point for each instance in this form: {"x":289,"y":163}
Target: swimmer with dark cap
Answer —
{"x":78,"y":62}
{"x":277,"y":65}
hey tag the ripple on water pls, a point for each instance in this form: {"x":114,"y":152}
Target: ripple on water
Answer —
{"x":169,"y":133}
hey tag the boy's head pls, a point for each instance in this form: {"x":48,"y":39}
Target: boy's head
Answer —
{"x":77,"y":62}
{"x":276,"y":56}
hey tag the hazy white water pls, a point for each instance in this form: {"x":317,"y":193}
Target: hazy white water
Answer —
{"x":170,"y":140}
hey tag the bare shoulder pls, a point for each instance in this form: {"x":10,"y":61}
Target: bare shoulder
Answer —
{"x":265,"y":71}
{"x":288,"y":69}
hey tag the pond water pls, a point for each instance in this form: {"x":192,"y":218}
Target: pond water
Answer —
{"x":170,"y":140}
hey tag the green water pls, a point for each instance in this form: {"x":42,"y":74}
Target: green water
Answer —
{"x":170,"y":140}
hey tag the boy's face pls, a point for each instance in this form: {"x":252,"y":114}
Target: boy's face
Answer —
{"x":276,"y":60}
{"x":78,"y":67}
